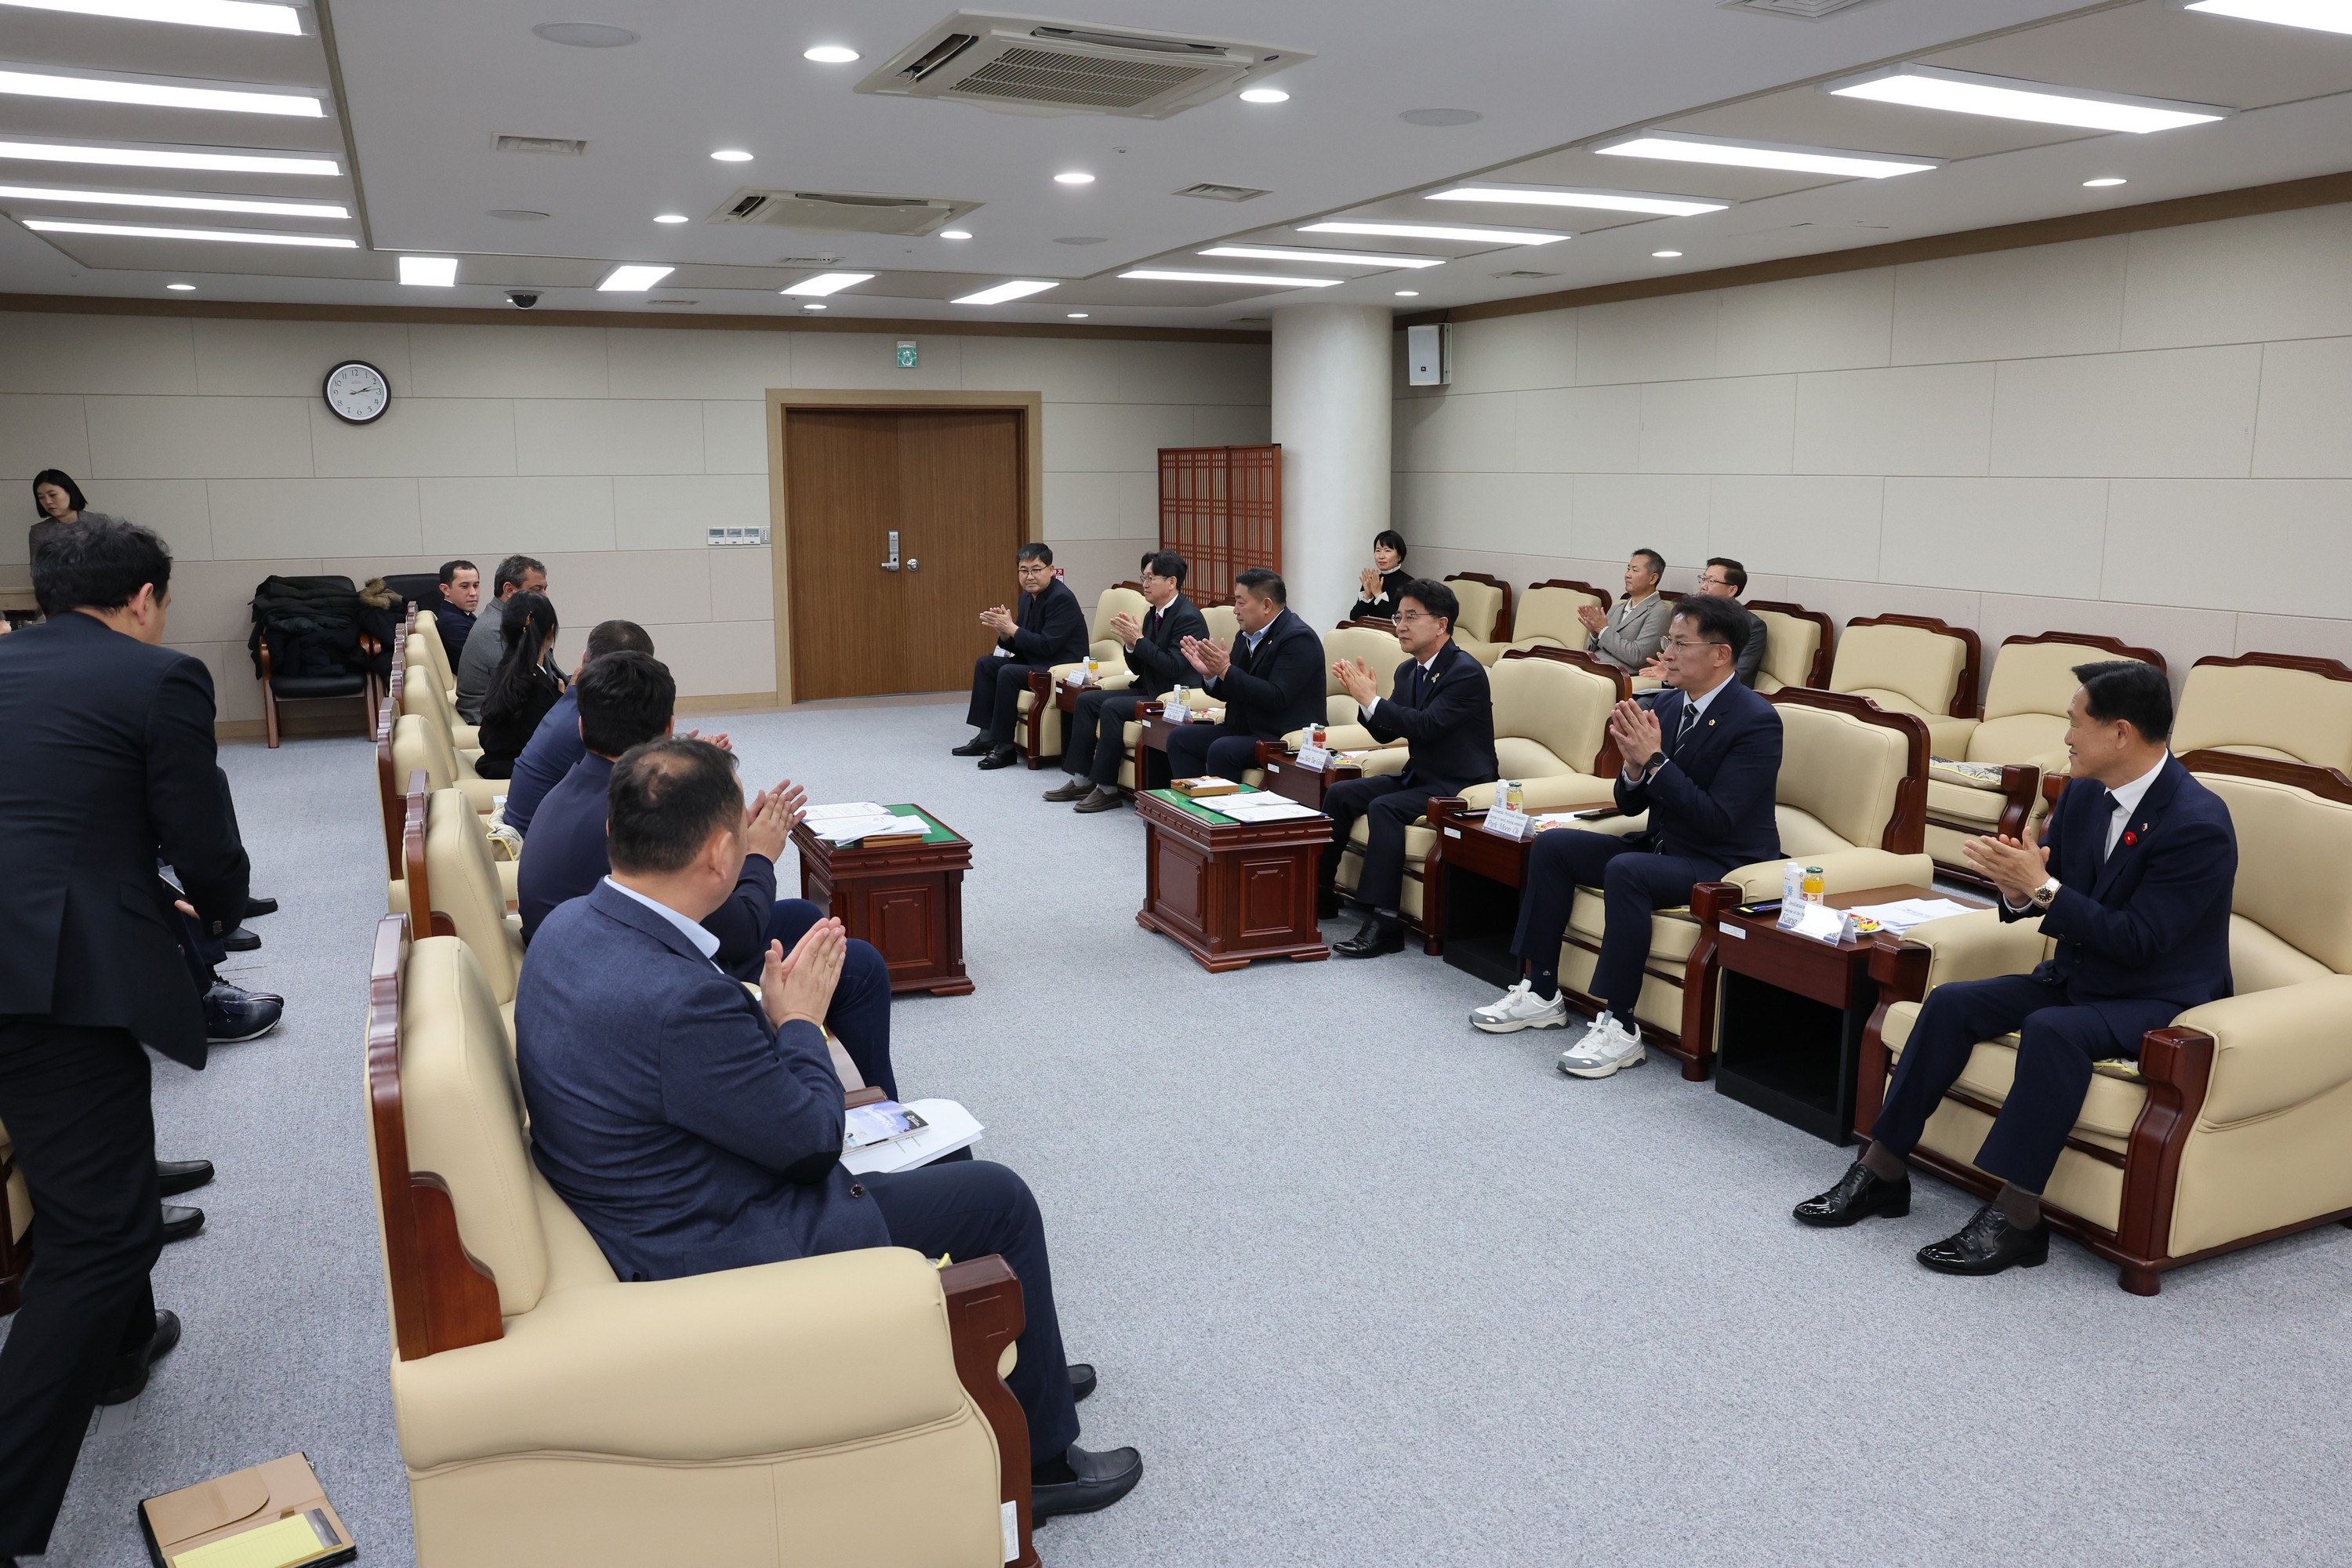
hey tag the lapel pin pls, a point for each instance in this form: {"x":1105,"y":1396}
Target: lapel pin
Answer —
{"x":2130,"y":837}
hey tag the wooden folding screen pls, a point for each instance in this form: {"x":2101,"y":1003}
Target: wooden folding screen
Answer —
{"x":1221,"y":509}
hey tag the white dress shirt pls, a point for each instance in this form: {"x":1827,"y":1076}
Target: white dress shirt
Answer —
{"x":704,"y":943}
{"x":2126,"y":799}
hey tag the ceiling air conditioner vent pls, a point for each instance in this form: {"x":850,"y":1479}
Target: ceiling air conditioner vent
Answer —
{"x":843,"y":211}
{"x":1522,"y":272}
{"x":1030,"y":64}
{"x":563,"y":146}
{"x":1207,"y":192}
{"x":1803,"y":10}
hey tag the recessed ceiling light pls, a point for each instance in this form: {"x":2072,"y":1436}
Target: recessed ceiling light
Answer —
{"x":669,"y":218}
{"x":177,"y":202}
{"x":1264,"y":95}
{"x":955,"y":234}
{"x":1680,"y":147}
{"x":830,"y":54}
{"x":1604,"y":201}
{"x":813,"y":305}
{"x":1074,"y":177}
{"x":226,"y":236}
{"x":181,"y":288}
{"x":2322,"y":15}
{"x":633,"y":278}
{"x":1078,"y":315}
{"x":428,"y":272}
{"x":1666,"y":255}
{"x":2105,"y":181}
{"x":238,"y":14}
{"x":825,"y":283}
{"x":1407,"y":293}
{"x":1441,"y":117}
{"x":998,"y":293}
{"x":156,"y":92}
{"x":1173,"y":275}
{"x":731,"y":155}
{"x":2007,"y":97}
{"x":1437,"y":231}
{"x":218,"y":162}
{"x":1308,"y":253}
{"x":585,"y":34}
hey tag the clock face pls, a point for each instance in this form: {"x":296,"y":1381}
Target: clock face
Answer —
{"x":357,"y":392}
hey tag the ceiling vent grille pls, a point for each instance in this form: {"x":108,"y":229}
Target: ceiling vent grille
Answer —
{"x":1210,"y":193}
{"x":1803,"y":10}
{"x":1022,"y":63}
{"x":1522,"y":273}
{"x":841,"y":212}
{"x":563,"y":146}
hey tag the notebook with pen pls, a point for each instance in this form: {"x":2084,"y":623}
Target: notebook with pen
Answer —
{"x":267,"y":1516}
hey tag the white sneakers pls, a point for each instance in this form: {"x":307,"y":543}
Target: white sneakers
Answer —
{"x":1520,"y":1008}
{"x":1607,"y":1045}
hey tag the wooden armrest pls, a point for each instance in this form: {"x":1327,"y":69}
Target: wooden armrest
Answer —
{"x":2018,"y":785}
{"x":984,"y":1317}
{"x":870,"y":1095}
{"x":1710,"y":901}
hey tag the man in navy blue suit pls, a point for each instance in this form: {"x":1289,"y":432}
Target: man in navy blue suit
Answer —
{"x":695,"y":1129}
{"x":2133,"y":878}
{"x":1444,"y":708}
{"x":1043,"y":628}
{"x":1270,"y":682}
{"x":1703,"y":764}
{"x":555,"y":746}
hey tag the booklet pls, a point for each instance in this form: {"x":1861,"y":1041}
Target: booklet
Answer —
{"x":888,"y":1136}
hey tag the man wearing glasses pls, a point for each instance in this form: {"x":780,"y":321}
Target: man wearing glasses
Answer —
{"x":1727,"y":579}
{"x":1704,"y":764}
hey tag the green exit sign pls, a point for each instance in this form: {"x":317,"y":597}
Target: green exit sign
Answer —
{"x":906,"y":355}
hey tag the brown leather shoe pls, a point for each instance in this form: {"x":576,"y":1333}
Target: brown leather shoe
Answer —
{"x":1077,"y":788}
{"x":1101,"y":800}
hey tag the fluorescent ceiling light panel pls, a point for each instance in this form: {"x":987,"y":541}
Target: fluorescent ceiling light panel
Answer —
{"x":1680,"y":147}
{"x":1307,"y":253}
{"x":428,"y":272}
{"x":155,"y":93}
{"x":212,"y":162}
{"x":825,"y":283}
{"x":1171,"y":275}
{"x":177,"y":204}
{"x":2007,"y":97}
{"x":633,"y":279}
{"x":2320,"y":15}
{"x":997,"y":294}
{"x":1601,"y":201}
{"x":1436,"y":231}
{"x":228,"y":236}
{"x":240,"y":14}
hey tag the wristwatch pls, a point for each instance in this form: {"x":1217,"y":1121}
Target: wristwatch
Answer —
{"x":2046,"y":894}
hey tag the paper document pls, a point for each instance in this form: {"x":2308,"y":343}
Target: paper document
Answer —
{"x":1905,"y":913}
{"x":816,"y":816}
{"x":850,"y":830}
{"x":1260,"y":807}
{"x":942,"y":1128}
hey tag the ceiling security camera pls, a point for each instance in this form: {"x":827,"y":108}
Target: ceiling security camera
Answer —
{"x":522,"y":299}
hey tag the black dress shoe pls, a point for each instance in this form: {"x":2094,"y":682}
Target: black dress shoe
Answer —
{"x":173,"y":1177}
{"x":1082,"y":1382}
{"x":128,"y":1378}
{"x":1857,"y":1196}
{"x":241,"y":941}
{"x":257,"y":908}
{"x":975,"y":747}
{"x":233,"y":1016}
{"x":1076,"y":788}
{"x":1002,"y":757}
{"x":1986,"y":1245}
{"x":179,"y":1224}
{"x":1097,"y":1480}
{"x":1377,"y":937}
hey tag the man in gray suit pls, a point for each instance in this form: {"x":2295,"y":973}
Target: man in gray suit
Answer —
{"x":516,"y":574}
{"x":1629,"y":636}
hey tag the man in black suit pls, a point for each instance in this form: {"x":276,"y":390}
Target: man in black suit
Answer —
{"x":1155,"y":661}
{"x":1445,"y":710}
{"x":110,"y":766}
{"x":1703,"y":764}
{"x":453,"y":614}
{"x":1044,"y":627}
{"x":2133,"y":877}
{"x":1270,"y":682}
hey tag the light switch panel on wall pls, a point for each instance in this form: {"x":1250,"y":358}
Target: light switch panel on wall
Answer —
{"x":738,"y":536}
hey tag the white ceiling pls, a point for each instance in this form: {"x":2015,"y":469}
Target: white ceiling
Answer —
{"x":426,"y":85}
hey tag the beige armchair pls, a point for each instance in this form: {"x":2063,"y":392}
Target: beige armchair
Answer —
{"x":421,"y":742}
{"x":1039,"y":708}
{"x":2290,"y":707}
{"x":2019,"y":740}
{"x":1484,"y":624}
{"x":1797,"y":643}
{"x":1222,"y":629}
{"x":1545,"y":615}
{"x":1851,"y":800}
{"x":1552,"y":724}
{"x":1379,"y":651}
{"x":2230,"y":1127}
{"x":426,"y":646}
{"x":455,"y":889}
{"x":1915,"y":665}
{"x":832,"y":1409}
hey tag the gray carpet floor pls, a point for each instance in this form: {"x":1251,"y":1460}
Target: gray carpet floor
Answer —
{"x":1365,"y":1286}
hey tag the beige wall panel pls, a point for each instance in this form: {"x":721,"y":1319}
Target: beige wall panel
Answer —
{"x":1926,"y":419}
{"x":97,"y":353}
{"x":1139,"y":504}
{"x":718,"y":656}
{"x":1580,"y":429}
{"x":199,"y":437}
{"x":869,"y":360}
{"x":212,"y":600}
{"x":1090,"y":565}
{"x":41,"y":431}
{"x":2181,"y":636}
{"x":743,"y":584}
{"x":1668,"y":339}
{"x":1059,"y":370}
{"x":2282,"y":275}
{"x":2270,"y":546}
{"x":291,"y":359}
{"x":1808,"y":525}
{"x":1616,"y":514}
{"x":1514,"y":353}
{"x":1996,"y":535}
{"x":2184,"y":411}
{"x":419,"y":437}
{"x":2011,"y":304}
{"x":648,"y":587}
{"x":699,"y":364}
{"x":179,"y":510}
{"x":1472,"y":433}
{"x":486,"y":518}
{"x":675,"y":511}
{"x":256,"y":519}
{"x":1843,"y":599}
{"x":1531,"y":514}
{"x":1082,"y":437}
{"x":1843,"y":320}
{"x":237,"y":688}
{"x":1084,"y":506}
{"x":508,"y":361}
{"x":2325,"y":638}
{"x":735,"y":437}
{"x":607,"y":436}
{"x":1739,"y":425}
{"x":1194,"y":373}
{"x":2304,"y":427}
{"x":1231,"y":424}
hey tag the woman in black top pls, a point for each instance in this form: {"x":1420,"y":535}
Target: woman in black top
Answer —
{"x":522,"y":688}
{"x":1381,"y":582}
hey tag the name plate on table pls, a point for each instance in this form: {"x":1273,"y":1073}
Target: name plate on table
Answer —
{"x":1509,"y":823}
{"x":1175,"y":713}
{"x":1078,"y":678}
{"x":1819,"y":922}
{"x":1314,"y":758}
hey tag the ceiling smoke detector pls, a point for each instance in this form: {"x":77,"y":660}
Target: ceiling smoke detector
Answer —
{"x":1803,"y":10}
{"x":1025,"y":64}
{"x":1208,"y":193}
{"x":843,"y":211}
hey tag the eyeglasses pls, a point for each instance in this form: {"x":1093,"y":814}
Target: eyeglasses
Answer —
{"x":1684,"y":645}
{"x":1409,"y":617}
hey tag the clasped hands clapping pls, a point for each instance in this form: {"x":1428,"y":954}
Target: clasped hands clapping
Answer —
{"x":2015,"y":866}
{"x":1635,"y":730}
{"x":999,"y":619}
{"x":1211,"y":658}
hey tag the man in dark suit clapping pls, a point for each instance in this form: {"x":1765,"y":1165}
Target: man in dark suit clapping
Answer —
{"x":1045,"y":629}
{"x":1155,"y":662}
{"x":1445,"y":710}
{"x":1270,"y":682}
{"x":110,"y":766}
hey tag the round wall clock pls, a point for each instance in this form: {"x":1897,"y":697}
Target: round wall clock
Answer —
{"x":357,"y":393}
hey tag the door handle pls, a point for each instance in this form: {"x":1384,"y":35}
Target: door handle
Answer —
{"x":913,"y":564}
{"x":892,"y":564}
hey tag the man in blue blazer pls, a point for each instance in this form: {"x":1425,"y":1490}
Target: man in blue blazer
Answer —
{"x":2133,"y":879}
{"x":1045,"y":627}
{"x":555,"y":745}
{"x":1270,"y":682}
{"x":1444,"y":708}
{"x":694,"y":1128}
{"x":1703,"y":764}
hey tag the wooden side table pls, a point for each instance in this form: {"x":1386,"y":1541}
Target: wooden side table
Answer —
{"x":1470,"y":889}
{"x":1793,"y":1008}
{"x":1151,"y":771}
{"x":906,"y":899}
{"x":1228,"y":892}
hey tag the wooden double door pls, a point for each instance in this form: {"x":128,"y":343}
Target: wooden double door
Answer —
{"x":949,"y":483}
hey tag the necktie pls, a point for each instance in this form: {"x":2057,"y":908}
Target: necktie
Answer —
{"x":1690,"y":723}
{"x":1151,"y":624}
{"x":1420,"y":685}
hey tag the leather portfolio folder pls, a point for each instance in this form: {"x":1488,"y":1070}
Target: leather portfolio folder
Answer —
{"x":268,"y":1515}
